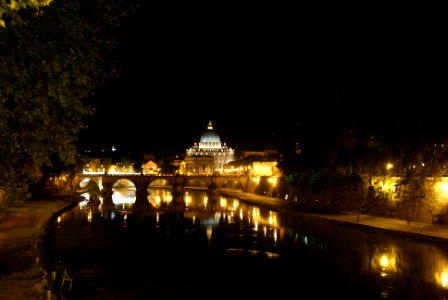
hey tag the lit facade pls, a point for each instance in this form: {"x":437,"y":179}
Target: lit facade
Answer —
{"x":209,"y":155}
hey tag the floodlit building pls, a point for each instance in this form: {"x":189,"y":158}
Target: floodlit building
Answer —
{"x":150,"y":168}
{"x":209,"y":155}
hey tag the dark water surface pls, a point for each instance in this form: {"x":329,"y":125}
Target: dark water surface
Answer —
{"x":224,"y":248}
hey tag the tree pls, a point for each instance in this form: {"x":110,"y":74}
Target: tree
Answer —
{"x":51,"y":61}
{"x":7,"y":6}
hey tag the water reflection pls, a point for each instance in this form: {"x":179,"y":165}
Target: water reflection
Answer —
{"x":216,"y":239}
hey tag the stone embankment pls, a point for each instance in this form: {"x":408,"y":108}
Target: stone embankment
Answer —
{"x":22,"y":229}
{"x":402,"y":228}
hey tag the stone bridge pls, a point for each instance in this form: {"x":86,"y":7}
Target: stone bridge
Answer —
{"x":178,"y":183}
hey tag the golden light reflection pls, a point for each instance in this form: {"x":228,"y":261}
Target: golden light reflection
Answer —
{"x":157,"y":197}
{"x":236,"y":203}
{"x":255,"y":212}
{"x":241,"y":214}
{"x":89,"y":216}
{"x":187,"y":199}
{"x":205,"y":200}
{"x":209,"y":233}
{"x":444,"y":279}
{"x":385,"y":262}
{"x":442,"y":275}
{"x":223,"y":202}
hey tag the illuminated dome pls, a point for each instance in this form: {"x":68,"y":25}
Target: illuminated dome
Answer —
{"x":210,"y":136}
{"x":209,"y":155}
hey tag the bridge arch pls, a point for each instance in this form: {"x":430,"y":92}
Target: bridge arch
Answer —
{"x":177,"y":184}
{"x":232,"y":184}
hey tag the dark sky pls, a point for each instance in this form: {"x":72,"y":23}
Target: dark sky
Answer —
{"x":253,"y":73}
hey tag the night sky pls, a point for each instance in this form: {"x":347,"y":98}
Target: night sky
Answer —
{"x":257,"y":73}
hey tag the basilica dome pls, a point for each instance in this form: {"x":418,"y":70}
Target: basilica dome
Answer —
{"x":210,"y":136}
{"x":209,"y":155}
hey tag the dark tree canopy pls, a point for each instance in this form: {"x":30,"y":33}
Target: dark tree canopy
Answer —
{"x":51,"y":61}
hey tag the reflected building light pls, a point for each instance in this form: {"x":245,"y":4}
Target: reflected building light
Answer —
{"x":187,"y":200}
{"x":236,"y":203}
{"x":384,"y":261}
{"x":256,"y":225}
{"x":275,"y":235}
{"x":157,"y":200}
{"x":270,"y":218}
{"x":194,"y":219}
{"x":217,"y":215}
{"x":265,"y":231}
{"x":59,"y":219}
{"x":209,"y":233}
{"x":444,"y":279}
{"x":117,"y":198}
{"x":89,"y":216}
{"x":305,"y":240}
{"x":255,"y":213}
{"x":157,"y":218}
{"x":112,"y":215}
{"x":169,"y":198}
{"x":241,"y":214}
{"x":205,"y":201}
{"x":223,"y":202}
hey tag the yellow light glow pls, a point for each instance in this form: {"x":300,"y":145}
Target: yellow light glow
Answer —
{"x":187,"y":200}
{"x":236,"y":203}
{"x":157,"y":200}
{"x":209,"y":233}
{"x":443,"y":187}
{"x":444,"y":279}
{"x":384,"y":261}
{"x":223,"y":202}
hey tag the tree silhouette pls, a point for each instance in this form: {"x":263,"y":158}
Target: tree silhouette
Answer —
{"x":51,"y":61}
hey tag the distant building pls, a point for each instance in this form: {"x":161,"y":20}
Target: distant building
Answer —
{"x":209,"y":155}
{"x":262,"y":153}
{"x":150,"y":168}
{"x":266,"y":168}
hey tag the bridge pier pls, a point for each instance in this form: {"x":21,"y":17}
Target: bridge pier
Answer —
{"x":141,"y":201}
{"x":108,"y":204}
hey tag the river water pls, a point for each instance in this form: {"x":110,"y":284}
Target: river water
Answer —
{"x":226,"y":248}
